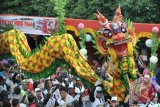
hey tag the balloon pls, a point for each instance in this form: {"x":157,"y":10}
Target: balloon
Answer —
{"x":155,"y":29}
{"x":80,"y":25}
{"x":88,"y":37}
{"x":83,"y":51}
{"x":149,"y":43}
{"x":153,"y":59}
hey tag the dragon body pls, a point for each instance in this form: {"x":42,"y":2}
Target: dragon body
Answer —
{"x":116,"y":42}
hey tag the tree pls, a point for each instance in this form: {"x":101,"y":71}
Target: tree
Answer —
{"x":144,"y":11}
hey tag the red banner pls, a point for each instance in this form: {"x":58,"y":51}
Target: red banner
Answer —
{"x":29,"y":25}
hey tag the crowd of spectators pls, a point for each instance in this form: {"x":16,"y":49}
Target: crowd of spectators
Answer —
{"x":62,"y":89}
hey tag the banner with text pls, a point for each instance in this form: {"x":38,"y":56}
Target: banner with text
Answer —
{"x":29,"y":25}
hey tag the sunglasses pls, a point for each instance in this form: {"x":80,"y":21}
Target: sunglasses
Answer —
{"x":99,"y":91}
{"x":113,"y":101}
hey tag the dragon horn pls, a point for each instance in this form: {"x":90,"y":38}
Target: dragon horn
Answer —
{"x":118,"y":15}
{"x":100,"y":17}
{"x":118,"y":11}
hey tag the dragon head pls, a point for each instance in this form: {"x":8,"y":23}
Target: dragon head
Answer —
{"x":115,"y":34}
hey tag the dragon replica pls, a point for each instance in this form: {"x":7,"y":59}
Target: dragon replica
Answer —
{"x":116,"y":41}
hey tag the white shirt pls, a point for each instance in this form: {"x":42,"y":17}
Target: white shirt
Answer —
{"x":51,"y":102}
{"x":3,"y":87}
{"x":79,"y":89}
{"x":151,"y":104}
{"x":69,"y":100}
{"x":99,"y":102}
{"x":76,"y":97}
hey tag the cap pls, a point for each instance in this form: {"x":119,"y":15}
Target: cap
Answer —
{"x":147,"y":76}
{"x":55,"y":82}
{"x":98,"y":89}
{"x":26,"y":81}
{"x":78,"y":79}
{"x":114,"y":98}
{"x":37,"y":89}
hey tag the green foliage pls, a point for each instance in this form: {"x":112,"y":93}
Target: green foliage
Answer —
{"x":154,"y":48}
{"x":60,"y":11}
{"x":137,"y":10}
{"x":30,"y":7}
{"x":7,"y":27}
{"x":82,"y":38}
{"x":141,"y":10}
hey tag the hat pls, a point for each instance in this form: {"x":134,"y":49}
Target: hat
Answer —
{"x":37,"y":89}
{"x":26,"y":81}
{"x":78,"y":79}
{"x":98,"y":89}
{"x":47,"y":78}
{"x":55,"y":82}
{"x":147,"y":76}
{"x":114,"y":98}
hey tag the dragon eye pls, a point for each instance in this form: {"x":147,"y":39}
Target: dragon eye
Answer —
{"x":123,"y":28}
{"x":107,"y":33}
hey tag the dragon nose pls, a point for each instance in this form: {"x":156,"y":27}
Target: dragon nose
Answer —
{"x":119,"y":37}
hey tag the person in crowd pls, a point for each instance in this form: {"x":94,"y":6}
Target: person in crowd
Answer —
{"x":17,"y":93}
{"x":66,"y":99}
{"x":113,"y":102}
{"x":55,"y":89}
{"x":22,"y":105}
{"x":157,"y":75}
{"x":153,"y":102}
{"x":41,"y":84}
{"x":38,"y":95}
{"x":85,"y":98}
{"x":15,"y":103}
{"x":4,"y":98}
{"x":47,"y":86}
{"x":3,"y":85}
{"x":75,"y":95}
{"x":104,"y":69}
{"x":79,"y":86}
{"x":97,"y":97}
{"x":134,"y":104}
{"x":31,"y":100}
{"x":49,"y":100}
{"x":58,"y":69}
{"x":25,"y":91}
{"x":145,"y":92}
{"x":16,"y":79}
{"x":126,"y":101}
{"x":53,"y":77}
{"x":95,"y":64}
{"x":35,"y":84}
